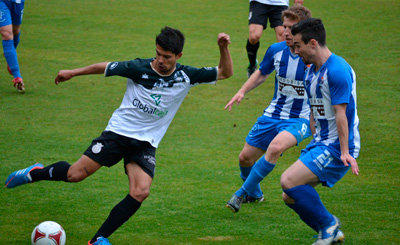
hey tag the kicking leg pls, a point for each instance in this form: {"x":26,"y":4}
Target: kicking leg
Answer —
{"x":59,"y":171}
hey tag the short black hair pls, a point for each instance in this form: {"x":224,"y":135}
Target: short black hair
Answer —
{"x":171,"y":39}
{"x":310,"y":29}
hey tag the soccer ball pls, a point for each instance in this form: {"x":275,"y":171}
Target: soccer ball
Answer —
{"x":48,"y":233}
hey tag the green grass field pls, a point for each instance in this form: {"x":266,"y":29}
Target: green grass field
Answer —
{"x":197,"y":166}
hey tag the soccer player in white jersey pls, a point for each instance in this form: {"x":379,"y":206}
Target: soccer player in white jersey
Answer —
{"x":260,"y":12}
{"x":155,"y":89}
{"x":11,"y":12}
{"x":330,"y":83}
{"x":285,"y":121}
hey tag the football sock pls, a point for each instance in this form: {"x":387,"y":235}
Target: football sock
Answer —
{"x":57,"y":171}
{"x":16,"y":40}
{"x":261,"y":169}
{"x":309,"y":207}
{"x":245,"y":171}
{"x":11,"y":57}
{"x":252,"y":52}
{"x":118,"y":216}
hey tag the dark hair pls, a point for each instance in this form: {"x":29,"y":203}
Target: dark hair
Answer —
{"x":310,"y":29}
{"x":171,"y":39}
{"x":296,"y":12}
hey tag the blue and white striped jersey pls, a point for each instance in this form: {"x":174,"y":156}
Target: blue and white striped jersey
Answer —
{"x":333,"y":84}
{"x":290,"y":99}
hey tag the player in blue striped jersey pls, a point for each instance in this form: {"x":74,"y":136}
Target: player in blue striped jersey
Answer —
{"x":331,"y":87}
{"x":11,"y":12}
{"x":285,"y":121}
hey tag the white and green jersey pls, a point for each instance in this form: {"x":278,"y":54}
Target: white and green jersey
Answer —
{"x":151,"y":100}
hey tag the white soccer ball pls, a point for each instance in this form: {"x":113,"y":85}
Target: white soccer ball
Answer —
{"x":48,"y":233}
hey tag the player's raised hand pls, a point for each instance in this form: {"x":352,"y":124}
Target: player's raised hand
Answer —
{"x":223,"y":39}
{"x":235,"y":99}
{"x":63,"y":76}
{"x":348,"y":159}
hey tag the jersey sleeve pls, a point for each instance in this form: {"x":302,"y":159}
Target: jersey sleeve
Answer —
{"x":340,"y":84}
{"x":201,"y":75}
{"x":267,"y":64}
{"x":122,"y":68}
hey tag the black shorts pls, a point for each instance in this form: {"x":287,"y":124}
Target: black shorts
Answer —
{"x":260,"y":13}
{"x":110,"y":148}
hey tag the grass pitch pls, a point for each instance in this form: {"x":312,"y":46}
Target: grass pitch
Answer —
{"x":197,"y":160}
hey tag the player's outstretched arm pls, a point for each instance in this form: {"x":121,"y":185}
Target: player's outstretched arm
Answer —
{"x":255,"y":79}
{"x":65,"y":75}
{"x":225,"y":66}
{"x":343,"y":131}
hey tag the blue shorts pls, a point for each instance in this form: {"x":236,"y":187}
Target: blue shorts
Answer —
{"x":319,"y":159}
{"x":266,"y":129}
{"x":11,"y":13}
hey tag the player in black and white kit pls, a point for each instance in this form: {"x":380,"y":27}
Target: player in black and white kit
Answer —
{"x":155,"y":89}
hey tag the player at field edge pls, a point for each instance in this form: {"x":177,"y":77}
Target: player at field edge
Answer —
{"x":284,"y":123}
{"x":260,"y":11}
{"x":155,"y":89}
{"x":11,"y":12}
{"x":330,"y":83}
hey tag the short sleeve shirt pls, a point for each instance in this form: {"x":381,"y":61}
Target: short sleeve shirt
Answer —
{"x":290,"y":98}
{"x":333,"y":84}
{"x":151,"y":100}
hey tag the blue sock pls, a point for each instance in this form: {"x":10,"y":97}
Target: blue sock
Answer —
{"x":16,"y":40}
{"x":245,"y":171}
{"x":11,"y":57}
{"x":311,"y":223}
{"x":309,"y":207}
{"x":261,"y":169}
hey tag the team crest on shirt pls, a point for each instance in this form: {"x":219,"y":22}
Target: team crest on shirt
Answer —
{"x":97,"y":147}
{"x":145,"y":76}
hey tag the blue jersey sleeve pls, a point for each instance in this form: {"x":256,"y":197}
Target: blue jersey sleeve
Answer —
{"x":267,"y":64}
{"x":340,"y":83}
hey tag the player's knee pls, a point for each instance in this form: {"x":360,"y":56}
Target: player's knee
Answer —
{"x":7,"y":35}
{"x":245,"y":160}
{"x":275,"y":149}
{"x":140,"y":193}
{"x":254,"y":37}
{"x":285,"y":181}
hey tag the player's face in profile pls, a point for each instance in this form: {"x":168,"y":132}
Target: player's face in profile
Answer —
{"x":165,"y":61}
{"x":302,"y":49}
{"x":287,"y":33}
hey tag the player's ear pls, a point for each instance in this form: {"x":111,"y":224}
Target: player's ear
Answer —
{"x":178,"y":56}
{"x":313,"y":43}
